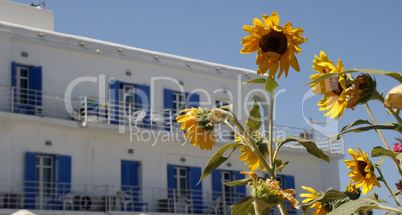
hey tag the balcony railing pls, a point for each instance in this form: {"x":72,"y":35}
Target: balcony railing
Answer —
{"x":130,"y":115}
{"x":107,"y":198}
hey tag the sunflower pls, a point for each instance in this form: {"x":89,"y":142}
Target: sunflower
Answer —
{"x":249,"y":156}
{"x":199,"y":128}
{"x":362,"y":170}
{"x":323,"y":65}
{"x":275,"y":45}
{"x":319,"y":207}
{"x":335,"y":100}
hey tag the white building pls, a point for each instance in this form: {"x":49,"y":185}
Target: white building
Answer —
{"x":82,"y":119}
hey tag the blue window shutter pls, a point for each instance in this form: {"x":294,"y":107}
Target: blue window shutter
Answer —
{"x":168,"y":104}
{"x":143,"y":98}
{"x":216,"y":184}
{"x":30,"y":180}
{"x":13,"y":74}
{"x":64,"y":174}
{"x":241,"y":190}
{"x":115,"y":104}
{"x":130,"y":181}
{"x":193,"y":100}
{"x":171,"y":180}
{"x":289,"y":182}
{"x":168,"y":98}
{"x":35,"y":86}
{"x":14,"y":82}
{"x":195,"y":174}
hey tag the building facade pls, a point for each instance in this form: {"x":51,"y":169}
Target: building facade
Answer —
{"x":88,"y":126}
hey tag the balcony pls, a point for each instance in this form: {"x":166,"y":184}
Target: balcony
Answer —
{"x":127,"y":115}
{"x":111,"y":199}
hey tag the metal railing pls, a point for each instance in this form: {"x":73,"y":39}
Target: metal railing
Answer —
{"x":89,"y":109}
{"x":33,"y":195}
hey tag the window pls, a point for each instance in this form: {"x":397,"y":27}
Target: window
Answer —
{"x":174,"y":102}
{"x":27,"y":89}
{"x":183,"y":182}
{"x":227,"y":191}
{"x":21,"y":78}
{"x":229,"y":195}
{"x":128,"y":98}
{"x":179,"y":102}
{"x":46,"y":176}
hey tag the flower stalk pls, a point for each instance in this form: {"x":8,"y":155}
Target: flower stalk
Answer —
{"x":389,"y":189}
{"x":382,"y":137}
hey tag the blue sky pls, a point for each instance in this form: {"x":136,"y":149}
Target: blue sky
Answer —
{"x":363,"y":33}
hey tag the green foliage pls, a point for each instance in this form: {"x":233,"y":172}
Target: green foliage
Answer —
{"x":396,"y":75}
{"x":217,"y":159}
{"x":329,"y":196}
{"x":310,"y":146}
{"x":254,"y":119}
{"x":244,"y":206}
{"x":271,"y":85}
{"x":384,"y":126}
{"x":357,"y":122}
{"x":279,"y":165}
{"x":369,"y":202}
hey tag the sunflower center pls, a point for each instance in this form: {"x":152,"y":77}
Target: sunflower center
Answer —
{"x":274,"y":42}
{"x":362,"y":165}
{"x":335,"y":86}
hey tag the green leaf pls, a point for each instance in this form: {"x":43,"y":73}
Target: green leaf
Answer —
{"x":310,"y":146}
{"x":244,"y":206}
{"x":243,"y":181}
{"x":271,"y":84}
{"x":369,"y":202}
{"x":395,"y":75}
{"x":256,"y":81}
{"x":396,"y":193}
{"x":384,"y":126}
{"x":357,"y":122}
{"x":331,"y":195}
{"x":279,"y":168}
{"x":380,"y":151}
{"x":254,"y":119}
{"x":217,"y":159}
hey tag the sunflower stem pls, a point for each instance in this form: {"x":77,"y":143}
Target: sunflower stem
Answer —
{"x":282,"y":208}
{"x":259,"y":206}
{"x":256,"y":151}
{"x":382,"y":137}
{"x":389,"y":189}
{"x":271,"y":132}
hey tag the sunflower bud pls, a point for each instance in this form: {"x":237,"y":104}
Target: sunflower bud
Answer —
{"x":362,"y":91}
{"x":351,"y":188}
{"x":394,"y":98}
{"x":269,"y":192}
{"x":219,"y":115}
